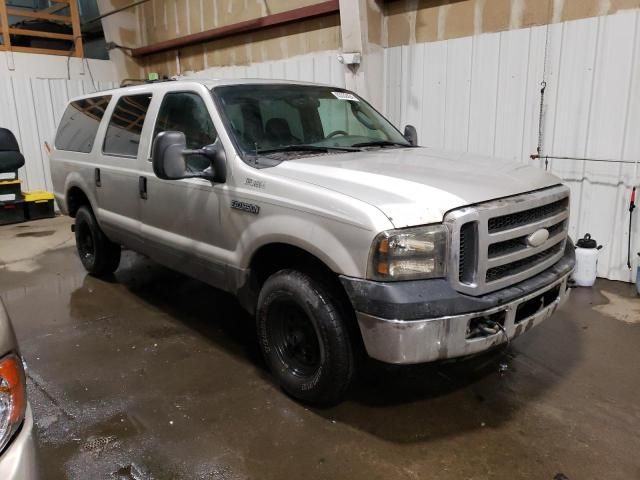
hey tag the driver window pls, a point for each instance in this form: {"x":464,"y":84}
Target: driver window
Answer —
{"x":186,"y":112}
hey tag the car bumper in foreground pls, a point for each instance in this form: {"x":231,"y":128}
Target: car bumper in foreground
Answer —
{"x":418,"y":341}
{"x":18,"y":461}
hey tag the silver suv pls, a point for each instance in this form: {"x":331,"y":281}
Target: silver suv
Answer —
{"x":332,"y":227}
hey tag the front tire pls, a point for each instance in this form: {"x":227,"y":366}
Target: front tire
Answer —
{"x":304,"y":338}
{"x":99,"y":255}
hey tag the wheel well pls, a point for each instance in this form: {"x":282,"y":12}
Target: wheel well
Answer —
{"x":271,"y":258}
{"x":76,"y":198}
{"x":274,"y":257}
{"x":277,"y":256}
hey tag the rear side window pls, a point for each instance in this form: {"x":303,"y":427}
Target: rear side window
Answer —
{"x":125,"y":125}
{"x":79,"y":124}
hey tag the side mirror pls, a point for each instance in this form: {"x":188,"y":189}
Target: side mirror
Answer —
{"x":411,"y":134}
{"x":168,"y":157}
{"x":218,"y":157}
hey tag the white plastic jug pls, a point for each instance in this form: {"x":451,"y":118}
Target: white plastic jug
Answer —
{"x":587,"y":251}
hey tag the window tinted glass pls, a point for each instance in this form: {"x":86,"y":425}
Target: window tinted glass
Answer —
{"x":269,"y":118}
{"x":125,"y":125}
{"x":79,"y":124}
{"x":186,"y":112}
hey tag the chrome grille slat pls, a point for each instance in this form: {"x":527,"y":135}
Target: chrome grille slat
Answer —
{"x":524,"y":253}
{"x":501,"y":256}
{"x":526,"y":217}
{"x":505,"y":247}
{"x":521,"y":265}
{"x":528,"y":229}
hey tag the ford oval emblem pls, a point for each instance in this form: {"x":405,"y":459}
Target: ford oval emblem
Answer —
{"x":538,"y":237}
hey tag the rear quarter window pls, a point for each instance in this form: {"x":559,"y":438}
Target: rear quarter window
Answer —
{"x":79,"y":124}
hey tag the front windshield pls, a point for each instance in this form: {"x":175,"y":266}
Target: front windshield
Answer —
{"x":267,"y":119}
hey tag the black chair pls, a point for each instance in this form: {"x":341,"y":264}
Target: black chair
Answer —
{"x":10,"y":157}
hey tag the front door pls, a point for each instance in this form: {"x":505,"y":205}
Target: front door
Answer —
{"x":180,"y":218}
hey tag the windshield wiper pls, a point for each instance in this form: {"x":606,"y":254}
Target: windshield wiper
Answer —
{"x":381,"y":143}
{"x":306,"y":148}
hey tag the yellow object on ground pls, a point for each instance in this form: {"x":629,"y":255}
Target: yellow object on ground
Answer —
{"x":37,"y":196}
{"x":38,"y":204}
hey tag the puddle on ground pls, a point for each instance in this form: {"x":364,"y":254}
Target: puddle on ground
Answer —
{"x":132,"y":471}
{"x":619,"y":307}
{"x":41,"y":233}
{"x":22,"y":266}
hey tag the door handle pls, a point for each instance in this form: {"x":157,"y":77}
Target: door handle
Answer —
{"x":142,"y":187}
{"x":96,"y":176}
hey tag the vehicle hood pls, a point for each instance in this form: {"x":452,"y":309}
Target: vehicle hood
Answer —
{"x":416,"y":186}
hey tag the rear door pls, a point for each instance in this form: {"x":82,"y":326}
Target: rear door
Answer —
{"x":119,"y":181}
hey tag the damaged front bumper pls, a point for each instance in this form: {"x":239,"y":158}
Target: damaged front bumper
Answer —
{"x":417,"y":324}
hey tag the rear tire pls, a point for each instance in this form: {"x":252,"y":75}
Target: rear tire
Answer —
{"x":304,"y":338}
{"x":99,"y":255}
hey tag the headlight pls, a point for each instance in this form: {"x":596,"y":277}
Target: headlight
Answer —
{"x":409,"y":254}
{"x":13,"y":398}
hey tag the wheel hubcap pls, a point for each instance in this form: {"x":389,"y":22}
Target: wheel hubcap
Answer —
{"x":294,"y":338}
{"x":84,"y":239}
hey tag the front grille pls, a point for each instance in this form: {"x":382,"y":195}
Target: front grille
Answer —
{"x":520,"y":243}
{"x":513,"y":220}
{"x":492,"y":239}
{"x":496,"y":273}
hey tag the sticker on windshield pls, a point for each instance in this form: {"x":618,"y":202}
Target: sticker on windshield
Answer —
{"x":345,"y":96}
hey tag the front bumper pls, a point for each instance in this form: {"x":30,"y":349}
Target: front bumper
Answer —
{"x":19,"y":460}
{"x":426,"y":320}
{"x":420,"y":341}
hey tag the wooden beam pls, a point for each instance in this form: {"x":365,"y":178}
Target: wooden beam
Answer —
{"x":78,"y":50}
{"x":290,"y":16}
{"x":42,"y":51}
{"x":56,"y":7}
{"x":16,"y":12}
{"x":4,"y":26}
{"x":38,"y":33}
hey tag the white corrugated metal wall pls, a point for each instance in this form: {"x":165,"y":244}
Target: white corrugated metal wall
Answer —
{"x":31,"y":108}
{"x":322,"y":67}
{"x":482,"y":94}
{"x":34,"y":91}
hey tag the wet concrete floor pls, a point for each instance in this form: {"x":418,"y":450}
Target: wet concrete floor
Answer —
{"x":152,"y":375}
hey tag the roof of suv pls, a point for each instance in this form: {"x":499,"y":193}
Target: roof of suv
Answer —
{"x":208,"y":83}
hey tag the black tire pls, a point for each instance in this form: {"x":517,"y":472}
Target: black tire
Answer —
{"x":99,"y":255}
{"x":304,"y":337}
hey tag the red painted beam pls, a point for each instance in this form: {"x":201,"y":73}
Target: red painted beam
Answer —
{"x":277,"y":19}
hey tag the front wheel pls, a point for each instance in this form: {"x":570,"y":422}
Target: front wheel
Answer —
{"x":304,"y":338}
{"x":99,"y":255}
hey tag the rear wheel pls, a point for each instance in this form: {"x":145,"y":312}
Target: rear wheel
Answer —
{"x":304,"y":338}
{"x":99,"y":255}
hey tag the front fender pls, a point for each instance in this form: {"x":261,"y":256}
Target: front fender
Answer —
{"x":342,"y":253}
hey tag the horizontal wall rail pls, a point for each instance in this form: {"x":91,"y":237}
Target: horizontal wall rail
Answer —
{"x":277,"y":19}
